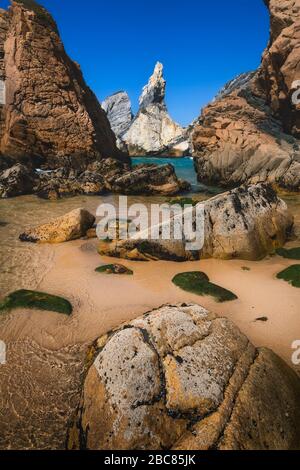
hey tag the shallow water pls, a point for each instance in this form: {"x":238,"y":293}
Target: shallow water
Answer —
{"x":185,"y":170}
{"x":23,"y":265}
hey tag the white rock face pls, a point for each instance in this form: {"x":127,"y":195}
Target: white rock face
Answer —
{"x":153,"y":131}
{"x":118,"y":110}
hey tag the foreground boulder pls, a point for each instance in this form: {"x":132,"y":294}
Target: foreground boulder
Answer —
{"x":49,"y":117}
{"x":251,"y":132}
{"x":71,"y":226}
{"x":246,"y":223}
{"x":181,"y":378}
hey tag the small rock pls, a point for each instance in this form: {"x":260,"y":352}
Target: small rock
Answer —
{"x":114,"y":269}
{"x":71,"y":226}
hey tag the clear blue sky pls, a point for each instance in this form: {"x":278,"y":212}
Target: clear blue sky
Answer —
{"x":202,"y":44}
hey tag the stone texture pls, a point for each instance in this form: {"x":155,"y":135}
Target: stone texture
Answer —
{"x":250,"y":133}
{"x":118,"y":111}
{"x":71,"y":226}
{"x":180,"y":378}
{"x":150,"y":179}
{"x":51,"y":117}
{"x":16,"y":181}
{"x":109,"y":175}
{"x":246,"y":223}
{"x":152,"y":131}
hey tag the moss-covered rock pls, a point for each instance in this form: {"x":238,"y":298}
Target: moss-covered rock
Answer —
{"x":114,"y":269}
{"x":291,"y":275}
{"x":36,"y":301}
{"x":183,"y":201}
{"x":293,"y":253}
{"x":198,"y":283}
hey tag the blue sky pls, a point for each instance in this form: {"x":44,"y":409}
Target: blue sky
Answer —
{"x":202,"y":44}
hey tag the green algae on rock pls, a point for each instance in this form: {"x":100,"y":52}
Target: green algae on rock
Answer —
{"x":36,"y":301}
{"x":198,"y":283}
{"x":183,"y":201}
{"x":114,"y":269}
{"x":293,"y":253}
{"x":291,"y":275}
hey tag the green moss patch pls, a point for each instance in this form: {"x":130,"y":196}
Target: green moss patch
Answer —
{"x":183,"y":201}
{"x":198,"y":283}
{"x":114,"y":269}
{"x":291,"y":275}
{"x":36,"y":301}
{"x":293,"y":253}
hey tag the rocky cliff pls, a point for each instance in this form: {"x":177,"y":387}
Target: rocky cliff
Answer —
{"x":49,"y":117}
{"x":250,"y":133}
{"x":153,"y":131}
{"x":119,"y":113}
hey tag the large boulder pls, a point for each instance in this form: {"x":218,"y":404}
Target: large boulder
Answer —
{"x":246,"y":223}
{"x":49,"y":116}
{"x":250,"y":133}
{"x":16,"y":181}
{"x":152,"y":131}
{"x":181,"y":378}
{"x":71,"y":226}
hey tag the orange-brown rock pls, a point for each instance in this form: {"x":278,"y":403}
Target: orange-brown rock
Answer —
{"x":181,"y":378}
{"x":250,"y":133}
{"x":50,"y":116}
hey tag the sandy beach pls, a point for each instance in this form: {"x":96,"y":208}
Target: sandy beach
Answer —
{"x":102,"y":302}
{"x":42,"y":378}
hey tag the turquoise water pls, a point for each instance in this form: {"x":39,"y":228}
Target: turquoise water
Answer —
{"x":185,"y":170}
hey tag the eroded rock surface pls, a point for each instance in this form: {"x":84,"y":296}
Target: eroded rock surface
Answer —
{"x":250,"y":133}
{"x":119,"y":113}
{"x":181,"y":378}
{"x":110,"y":175}
{"x":50,"y":116}
{"x":16,"y":181}
{"x":246,"y":223}
{"x":71,"y":226}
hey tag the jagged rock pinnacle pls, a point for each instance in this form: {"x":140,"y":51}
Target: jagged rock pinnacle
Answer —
{"x":154,"y":91}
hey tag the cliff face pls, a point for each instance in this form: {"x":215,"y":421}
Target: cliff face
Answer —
{"x":50,"y":118}
{"x":152,"y":130}
{"x":118,"y":111}
{"x":250,"y":133}
{"x":281,"y":63}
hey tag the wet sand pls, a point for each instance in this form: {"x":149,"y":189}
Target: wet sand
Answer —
{"x":102,"y":302}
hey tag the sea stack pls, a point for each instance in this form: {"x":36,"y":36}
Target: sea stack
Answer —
{"x":49,"y":117}
{"x":152,"y":131}
{"x":251,"y":132}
